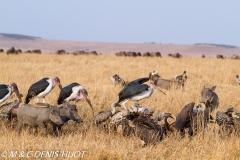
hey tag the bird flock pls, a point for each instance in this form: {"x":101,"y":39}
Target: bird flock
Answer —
{"x":139,"y":120}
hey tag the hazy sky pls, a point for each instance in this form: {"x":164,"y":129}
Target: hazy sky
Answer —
{"x":134,"y":21}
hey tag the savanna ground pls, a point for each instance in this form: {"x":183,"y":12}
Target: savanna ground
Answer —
{"x":93,"y":73}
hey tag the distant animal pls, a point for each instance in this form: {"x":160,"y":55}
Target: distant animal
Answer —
{"x":1,"y":50}
{"x":116,"y":79}
{"x":238,"y":79}
{"x":175,"y":55}
{"x":105,"y":115}
{"x":38,"y":51}
{"x":147,"y":54}
{"x":203,"y":56}
{"x":167,"y":83}
{"x":219,"y":56}
{"x":67,"y":112}
{"x":7,"y":90}
{"x":135,"y":91}
{"x":19,"y":51}
{"x":73,"y":92}
{"x":38,"y":116}
{"x":85,"y":53}
{"x":12,"y":51}
{"x":156,"y":54}
{"x":61,"y":51}
{"x":93,"y":53}
{"x":235,"y":57}
{"x":128,"y":54}
{"x":131,"y":54}
{"x":41,"y":88}
{"x":121,"y":53}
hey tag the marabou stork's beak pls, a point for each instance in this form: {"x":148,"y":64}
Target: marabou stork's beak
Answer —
{"x":90,"y":104}
{"x":160,"y":90}
{"x":19,"y":96}
{"x":15,"y":89}
{"x":155,"y":86}
{"x":84,"y":94}
{"x":60,"y":86}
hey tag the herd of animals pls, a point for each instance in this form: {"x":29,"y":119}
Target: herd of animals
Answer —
{"x":140,"y":121}
{"x":12,"y":50}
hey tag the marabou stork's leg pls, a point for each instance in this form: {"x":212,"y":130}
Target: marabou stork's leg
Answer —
{"x":124,"y":102}
{"x":44,"y":100}
{"x":37,"y":100}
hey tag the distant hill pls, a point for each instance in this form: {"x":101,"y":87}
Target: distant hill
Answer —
{"x":24,"y":43}
{"x":19,"y":36}
{"x":217,"y":45}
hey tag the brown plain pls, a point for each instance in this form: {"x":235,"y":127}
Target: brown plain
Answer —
{"x":93,"y":73}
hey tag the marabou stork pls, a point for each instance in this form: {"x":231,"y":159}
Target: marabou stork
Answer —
{"x":74,"y":92}
{"x":41,"y":88}
{"x":136,"y":90}
{"x":7,"y":90}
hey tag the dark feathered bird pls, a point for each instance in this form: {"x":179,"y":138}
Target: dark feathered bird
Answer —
{"x":226,"y":121}
{"x":135,"y":91}
{"x":124,"y":128}
{"x":116,"y":79}
{"x":184,"y":117}
{"x":189,"y":119}
{"x":224,"y":118}
{"x":7,"y":90}
{"x":41,"y":88}
{"x":163,"y":116}
{"x":73,"y":92}
{"x":146,"y":128}
{"x":232,"y":112}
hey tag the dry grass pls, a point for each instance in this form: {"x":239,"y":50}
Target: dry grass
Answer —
{"x":93,"y":73}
